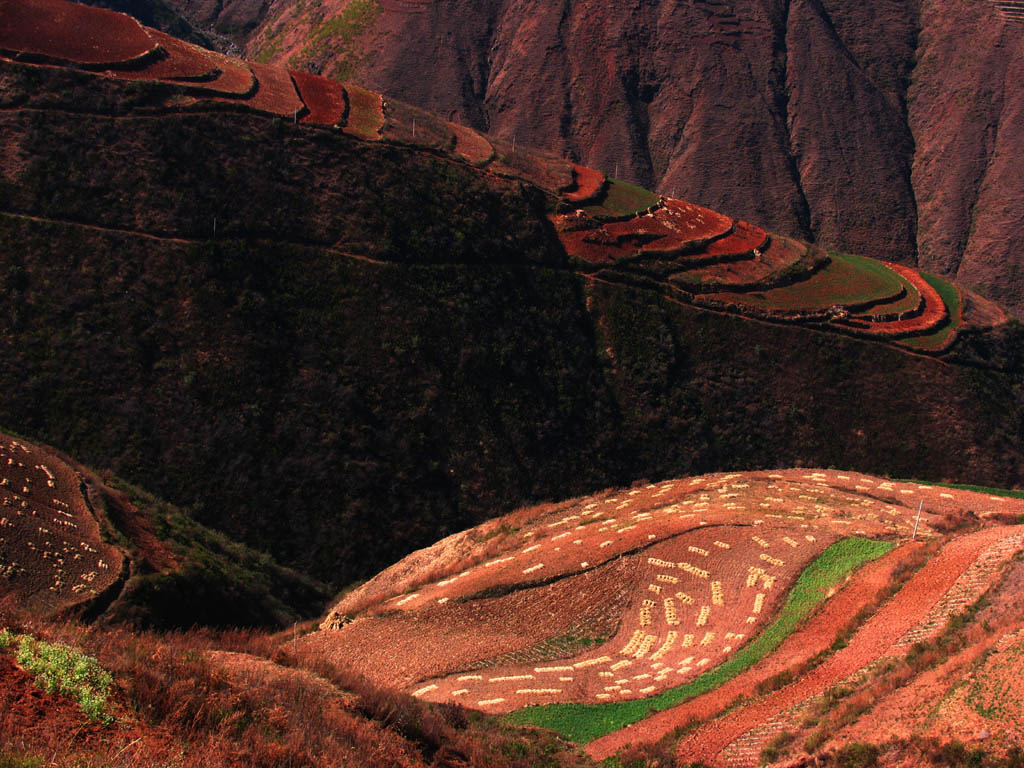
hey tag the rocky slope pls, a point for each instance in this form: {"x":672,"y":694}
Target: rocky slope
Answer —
{"x":885,"y":128}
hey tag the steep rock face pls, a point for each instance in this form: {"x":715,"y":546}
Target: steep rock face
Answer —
{"x":882,"y":128}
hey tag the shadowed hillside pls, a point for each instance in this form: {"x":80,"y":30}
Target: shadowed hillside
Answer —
{"x":311,"y":315}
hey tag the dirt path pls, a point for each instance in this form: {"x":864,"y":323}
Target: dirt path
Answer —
{"x":897,"y":617}
{"x":815,"y":636}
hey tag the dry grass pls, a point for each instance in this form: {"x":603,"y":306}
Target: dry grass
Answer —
{"x":175,"y":704}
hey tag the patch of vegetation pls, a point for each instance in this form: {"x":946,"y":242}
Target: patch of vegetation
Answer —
{"x":218,"y":582}
{"x":59,"y":668}
{"x":846,"y":279}
{"x":333,"y":35}
{"x":777,"y":746}
{"x":586,"y":722}
{"x":857,"y":754}
{"x":12,"y":760}
{"x":951,"y":297}
{"x":622,"y":199}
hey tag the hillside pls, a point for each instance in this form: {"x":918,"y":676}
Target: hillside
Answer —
{"x":908,"y":154}
{"x":795,"y":617}
{"x":791,"y":617}
{"x":74,"y":544}
{"x":308,"y":314}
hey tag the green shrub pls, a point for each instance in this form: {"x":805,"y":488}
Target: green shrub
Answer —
{"x":815,"y":741}
{"x":61,"y":669}
{"x":10,"y":760}
{"x":776,"y":747}
{"x":857,"y":755}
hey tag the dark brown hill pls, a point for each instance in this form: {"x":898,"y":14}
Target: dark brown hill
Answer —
{"x":340,"y":329}
{"x":886,"y":128}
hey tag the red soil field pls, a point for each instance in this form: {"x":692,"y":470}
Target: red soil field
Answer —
{"x":742,"y":240}
{"x":202,"y":70}
{"x":64,"y":31}
{"x":471,"y":146}
{"x":180,"y":61}
{"x":695,"y":598}
{"x":675,"y":229}
{"x":365,"y":117}
{"x":781,"y":255}
{"x":52,"y":554}
{"x":691,"y":224}
{"x":706,"y":562}
{"x":324,"y":98}
{"x":235,"y":79}
{"x":275,"y":92}
{"x":873,"y":641}
{"x":815,"y":636}
{"x":589,"y":184}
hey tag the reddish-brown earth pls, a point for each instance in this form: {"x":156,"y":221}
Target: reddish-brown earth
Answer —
{"x":324,"y":99}
{"x":52,"y":552}
{"x":815,"y":636}
{"x":872,"y":642}
{"x":908,"y":155}
{"x":705,"y":563}
{"x":60,"y":31}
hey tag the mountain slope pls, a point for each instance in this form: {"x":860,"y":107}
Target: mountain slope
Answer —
{"x":884,"y":128}
{"x":713,"y":613}
{"x":74,"y":544}
{"x":307,"y":314}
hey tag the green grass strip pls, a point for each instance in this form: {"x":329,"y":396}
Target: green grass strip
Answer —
{"x":622,"y":199}
{"x":847,"y":279}
{"x":1008,"y":492}
{"x":951,"y":297}
{"x":583,"y":723}
{"x":59,"y":668}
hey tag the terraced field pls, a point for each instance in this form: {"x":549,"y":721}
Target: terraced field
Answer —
{"x":609,"y":229}
{"x":716,"y":580}
{"x":52,"y":553}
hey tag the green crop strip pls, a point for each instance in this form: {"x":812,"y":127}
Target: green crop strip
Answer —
{"x":951,"y":297}
{"x":848,"y":279}
{"x":583,"y":723}
{"x":61,"y":669}
{"x":1008,"y":492}
{"x":622,"y":199}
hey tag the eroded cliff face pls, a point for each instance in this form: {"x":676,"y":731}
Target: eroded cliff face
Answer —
{"x":885,"y":128}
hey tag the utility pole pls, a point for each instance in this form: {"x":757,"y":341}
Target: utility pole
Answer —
{"x":918,"y":519}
